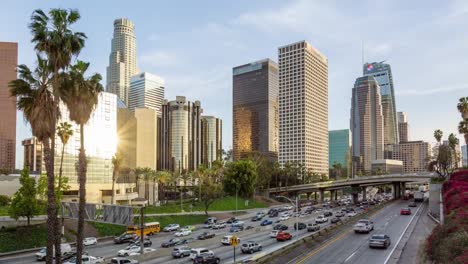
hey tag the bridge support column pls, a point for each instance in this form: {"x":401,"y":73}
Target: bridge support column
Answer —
{"x":332,"y":195}
{"x":364,"y":193}
{"x":336,"y":195}
{"x":355,"y":198}
{"x":403,"y":189}
{"x":322,"y":194}
{"x":308,"y":196}
{"x":315,"y":196}
{"x":396,"y":190}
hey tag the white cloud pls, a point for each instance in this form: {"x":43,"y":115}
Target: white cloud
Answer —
{"x":159,"y":59}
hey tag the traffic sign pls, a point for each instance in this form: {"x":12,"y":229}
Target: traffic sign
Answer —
{"x":234,"y":241}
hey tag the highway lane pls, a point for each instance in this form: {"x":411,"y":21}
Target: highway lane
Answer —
{"x":350,"y":248}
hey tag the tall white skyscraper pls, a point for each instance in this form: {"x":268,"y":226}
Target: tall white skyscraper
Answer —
{"x":146,"y":91}
{"x":303,"y":106}
{"x":122,"y":59}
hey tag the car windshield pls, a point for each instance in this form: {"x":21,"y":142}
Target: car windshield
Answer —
{"x":362,"y":222}
{"x":378,"y":237}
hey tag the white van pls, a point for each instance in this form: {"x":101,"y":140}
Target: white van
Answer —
{"x":64,"y":249}
{"x":197,"y":251}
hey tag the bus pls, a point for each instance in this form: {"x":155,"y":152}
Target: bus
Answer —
{"x":149,"y":229}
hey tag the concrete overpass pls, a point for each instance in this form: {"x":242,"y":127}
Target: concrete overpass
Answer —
{"x":398,"y":182}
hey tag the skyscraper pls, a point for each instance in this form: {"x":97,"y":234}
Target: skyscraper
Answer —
{"x":211,"y":146}
{"x":122,"y":59}
{"x":339,"y":147}
{"x":33,"y":155}
{"x":146,"y":138}
{"x":255,"y":108}
{"x":146,"y":91}
{"x":8,"y":63}
{"x":414,"y":154}
{"x":403,"y":127}
{"x":303,"y":106}
{"x":180,"y":135}
{"x":366,"y":123}
{"x":382,"y":73}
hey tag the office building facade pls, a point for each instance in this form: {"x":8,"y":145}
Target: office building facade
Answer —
{"x":464,"y":150}
{"x":339,"y":142}
{"x":387,"y":166}
{"x":403,"y":127}
{"x":303,"y":106}
{"x":382,"y":73}
{"x":8,"y":64}
{"x":255,"y":108}
{"x":367,"y":126}
{"x":122,"y":59}
{"x":33,"y":155}
{"x":414,"y":154}
{"x":211,"y":143}
{"x":180,"y":135}
{"x":146,"y":91}
{"x":146,"y":138}
{"x":127,"y":135}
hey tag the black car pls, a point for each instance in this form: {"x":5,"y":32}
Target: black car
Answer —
{"x":280,"y":227}
{"x":172,"y":242}
{"x":313,"y":227}
{"x":273,"y":214}
{"x":125,"y":238}
{"x":146,"y":243}
{"x":272,"y":210}
{"x":327,"y":213}
{"x":335,"y":220}
{"x":205,"y":235}
{"x":206,"y":259}
{"x":309,"y":210}
{"x":232,"y":220}
{"x":412,"y":205}
{"x":301,"y":226}
{"x":236,"y":229}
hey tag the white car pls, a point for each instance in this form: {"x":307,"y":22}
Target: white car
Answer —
{"x":183,"y":232}
{"x":363,"y":226}
{"x":85,"y":260}
{"x":274,"y":233}
{"x":127,"y":251}
{"x":226,"y":240}
{"x":145,"y":250}
{"x":290,"y":207}
{"x":90,"y":241}
{"x":351,"y":214}
{"x":219,"y":225}
{"x":171,"y":227}
{"x":321,"y":219}
{"x":284,"y":218}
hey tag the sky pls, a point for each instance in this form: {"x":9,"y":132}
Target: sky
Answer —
{"x":194,"y":45}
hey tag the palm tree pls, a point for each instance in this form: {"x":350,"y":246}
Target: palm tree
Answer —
{"x":52,"y":36}
{"x":154,"y":178}
{"x":37,"y":103}
{"x":147,"y":172}
{"x":64,"y":132}
{"x":80,"y":94}
{"x":453,"y":143}
{"x":462,"y":107}
{"x":438,"y":135}
{"x":463,"y":129}
{"x":163,"y":178}
{"x":116,"y":164}
{"x":138,"y":176}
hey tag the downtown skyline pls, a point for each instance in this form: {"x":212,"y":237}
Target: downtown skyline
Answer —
{"x":174,"y":52}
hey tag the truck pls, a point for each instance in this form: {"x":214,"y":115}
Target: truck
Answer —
{"x":64,"y":249}
{"x":418,"y":196}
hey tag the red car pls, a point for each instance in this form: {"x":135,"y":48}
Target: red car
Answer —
{"x":405,"y":211}
{"x":282,"y":236}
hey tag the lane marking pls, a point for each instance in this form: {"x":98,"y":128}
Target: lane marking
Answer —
{"x":402,"y":234}
{"x":350,"y":256}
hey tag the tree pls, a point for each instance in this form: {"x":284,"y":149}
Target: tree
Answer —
{"x":138,"y":177}
{"x":463,"y":129}
{"x":210,"y":191}
{"x":64,"y":132}
{"x":462,"y":107}
{"x":41,"y":188}
{"x":337,"y":170}
{"x":81,"y":94}
{"x":162,"y":178}
{"x":453,"y":143}
{"x":24,"y":201}
{"x":116,"y":165}
{"x":240,"y":177}
{"x":442,"y":164}
{"x":438,"y":135}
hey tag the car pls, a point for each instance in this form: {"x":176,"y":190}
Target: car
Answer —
{"x":289,"y":207}
{"x":309,"y":210}
{"x":146,"y":242}
{"x":236,"y":229}
{"x":266,"y":222}
{"x":185,"y":241}
{"x":335,"y":220}
{"x":327,"y":213}
{"x":363,"y":226}
{"x":272,"y":210}
{"x":126,"y":252}
{"x":232,"y":220}
{"x":313,"y":227}
{"x":321,"y":219}
{"x":273,"y":214}
{"x":284,"y":218}
{"x":299,"y":226}
{"x":405,"y":211}
{"x":219,"y":225}
{"x":183,"y":232}
{"x":126,"y":237}
{"x":351,"y":214}
{"x":206,"y":235}
{"x":208,"y":225}
{"x":195,"y":252}
{"x":379,"y":240}
{"x":119,"y":260}
{"x":171,"y":227}
{"x":274,"y":233}
{"x":339,"y":214}
{"x":85,"y":259}
{"x":282,"y":236}
{"x":190,"y":227}
{"x":206,"y":258}
{"x":250,"y":247}
{"x":237,"y":223}
{"x":256,"y":218}
{"x":145,"y":250}
{"x":180,"y":252}
{"x":280,"y":227}
{"x":211,"y":220}
{"x":172,"y":242}
{"x":90,"y":241}
{"x":226,"y":240}
{"x":412,"y":205}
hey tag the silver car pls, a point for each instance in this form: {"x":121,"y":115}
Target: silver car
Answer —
{"x":251,"y":247}
{"x":379,"y":240}
{"x":180,"y":252}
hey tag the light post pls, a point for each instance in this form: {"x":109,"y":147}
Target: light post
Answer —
{"x":297,"y":212}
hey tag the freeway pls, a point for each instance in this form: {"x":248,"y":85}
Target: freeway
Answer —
{"x":350,"y":248}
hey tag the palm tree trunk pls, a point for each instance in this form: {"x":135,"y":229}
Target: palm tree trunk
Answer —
{"x":113,"y":186}
{"x":82,"y":200}
{"x":147,"y":189}
{"x":59,"y":229}
{"x":154,"y":191}
{"x":51,"y":205}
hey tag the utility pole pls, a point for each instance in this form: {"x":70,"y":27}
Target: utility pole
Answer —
{"x":142,"y":227}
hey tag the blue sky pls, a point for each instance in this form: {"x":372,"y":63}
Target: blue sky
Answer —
{"x":193,"y":45}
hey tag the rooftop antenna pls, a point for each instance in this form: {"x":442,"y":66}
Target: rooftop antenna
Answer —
{"x":362,"y":50}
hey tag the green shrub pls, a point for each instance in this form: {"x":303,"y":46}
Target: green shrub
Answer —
{"x":4,"y":200}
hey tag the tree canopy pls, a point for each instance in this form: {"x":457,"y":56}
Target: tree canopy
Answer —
{"x":241,"y":176}
{"x":24,"y":201}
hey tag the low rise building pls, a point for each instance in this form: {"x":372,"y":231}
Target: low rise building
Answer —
{"x":387,"y":166}
{"x":414,"y":154}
